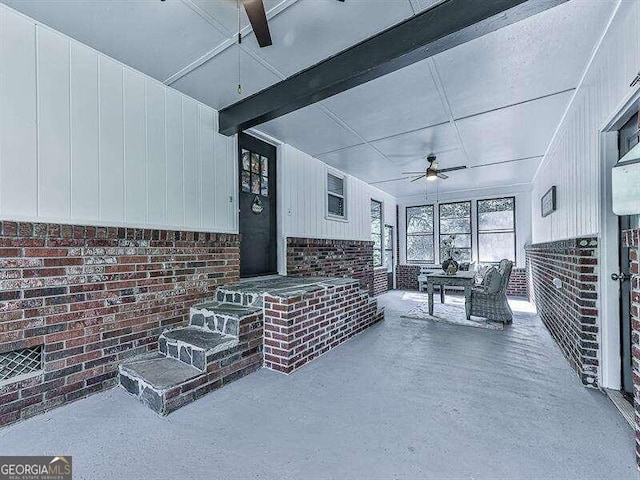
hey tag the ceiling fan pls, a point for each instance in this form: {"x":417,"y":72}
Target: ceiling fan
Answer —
{"x":433,"y":171}
{"x":258,"y":19}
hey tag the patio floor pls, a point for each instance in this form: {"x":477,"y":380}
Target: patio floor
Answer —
{"x":406,"y":399}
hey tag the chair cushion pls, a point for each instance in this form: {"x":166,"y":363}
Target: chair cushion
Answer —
{"x":481,"y":271}
{"x":491,"y":281}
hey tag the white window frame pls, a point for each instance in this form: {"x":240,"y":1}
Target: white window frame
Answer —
{"x":345,"y":193}
{"x":382,"y":225}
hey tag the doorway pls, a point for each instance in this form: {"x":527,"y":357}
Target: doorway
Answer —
{"x":257,"y":207}
{"x":628,"y":137}
{"x":388,"y":255}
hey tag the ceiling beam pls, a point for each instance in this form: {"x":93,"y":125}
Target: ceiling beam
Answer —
{"x":433,"y":31}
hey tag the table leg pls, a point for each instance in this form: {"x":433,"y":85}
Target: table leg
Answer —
{"x":467,"y":301}
{"x":430,"y":294}
{"x":441,"y":293}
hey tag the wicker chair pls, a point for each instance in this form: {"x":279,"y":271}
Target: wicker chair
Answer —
{"x":493,"y":305}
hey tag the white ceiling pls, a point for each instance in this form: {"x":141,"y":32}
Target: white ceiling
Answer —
{"x":495,"y":99}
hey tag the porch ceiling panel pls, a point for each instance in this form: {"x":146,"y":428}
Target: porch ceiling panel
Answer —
{"x":541,"y":55}
{"x":402,"y":101}
{"x":312,"y":131}
{"x":151,"y":36}
{"x":361,"y":160}
{"x":404,"y":148}
{"x":520,"y":131}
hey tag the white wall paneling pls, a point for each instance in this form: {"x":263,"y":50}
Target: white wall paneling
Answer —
{"x":18,"y":115}
{"x":573,"y":159}
{"x":85,"y":139}
{"x":135,"y":147}
{"x":111,"y":140}
{"x":522,"y":194}
{"x":84,"y":132}
{"x":54,"y":125}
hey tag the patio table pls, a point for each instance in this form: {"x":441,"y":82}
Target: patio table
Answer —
{"x":459,"y":279}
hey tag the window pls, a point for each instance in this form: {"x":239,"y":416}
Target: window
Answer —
{"x":388,"y":248}
{"x":255,"y":173}
{"x":497,"y":229}
{"x":376,"y":232}
{"x":455,"y":219}
{"x":420,"y":234}
{"x":335,"y":196}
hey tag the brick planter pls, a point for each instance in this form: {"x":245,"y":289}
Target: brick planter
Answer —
{"x":301,"y":327}
{"x":570,"y":313}
{"x":94,"y":296}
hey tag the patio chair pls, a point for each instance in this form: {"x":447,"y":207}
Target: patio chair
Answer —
{"x":489,"y":300}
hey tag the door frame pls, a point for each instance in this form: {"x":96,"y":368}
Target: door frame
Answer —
{"x":610,"y":372}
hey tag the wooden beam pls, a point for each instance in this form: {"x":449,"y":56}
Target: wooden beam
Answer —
{"x":433,"y":31}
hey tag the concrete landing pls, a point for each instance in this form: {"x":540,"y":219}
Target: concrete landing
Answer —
{"x":250,"y":292}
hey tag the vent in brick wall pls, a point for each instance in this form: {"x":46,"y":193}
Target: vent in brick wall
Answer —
{"x":20,"y":362}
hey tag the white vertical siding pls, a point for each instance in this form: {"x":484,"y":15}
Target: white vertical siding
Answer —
{"x":573,"y":160}
{"x":85,"y":139}
{"x":84,"y":133}
{"x":135,"y":147}
{"x":18,"y":120}
{"x":54,"y":124}
{"x":302,"y":200}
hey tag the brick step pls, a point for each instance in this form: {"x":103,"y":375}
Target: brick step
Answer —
{"x":194,"y":345}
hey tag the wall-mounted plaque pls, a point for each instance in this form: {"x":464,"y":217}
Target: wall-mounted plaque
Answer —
{"x":548,"y":202}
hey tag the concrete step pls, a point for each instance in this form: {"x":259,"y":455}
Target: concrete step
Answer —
{"x":222,"y":317}
{"x":150,"y":377}
{"x":193,"y":345}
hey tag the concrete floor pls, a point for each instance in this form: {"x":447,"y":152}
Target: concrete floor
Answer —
{"x":406,"y":399}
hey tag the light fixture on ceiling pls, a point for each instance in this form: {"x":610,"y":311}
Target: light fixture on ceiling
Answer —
{"x":432,"y":175}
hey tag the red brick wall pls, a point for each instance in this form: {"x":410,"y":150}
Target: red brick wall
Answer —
{"x":380,"y":281}
{"x":631,"y":239}
{"x":407,"y":277}
{"x":313,"y":257}
{"x":518,"y":283}
{"x":93,"y":296}
{"x":301,"y":328}
{"x":570,"y":313}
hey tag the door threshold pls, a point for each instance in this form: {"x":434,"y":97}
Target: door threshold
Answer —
{"x":623,"y":405}
{"x":271,"y":276}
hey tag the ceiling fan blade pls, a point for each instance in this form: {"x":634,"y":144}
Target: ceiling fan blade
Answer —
{"x":453,"y":169}
{"x":389,"y":180}
{"x":258,"y":18}
{"x":443,"y":176}
{"x":418,"y":178}
{"x":412,"y":173}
